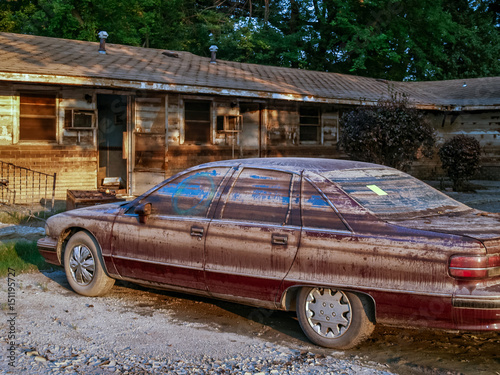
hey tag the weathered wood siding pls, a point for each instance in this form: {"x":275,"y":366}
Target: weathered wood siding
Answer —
{"x":330,"y":123}
{"x":7,"y":117}
{"x":149,"y":145}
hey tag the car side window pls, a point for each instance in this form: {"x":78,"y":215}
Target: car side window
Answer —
{"x":259,"y":195}
{"x":316,"y":211}
{"x":188,"y":195}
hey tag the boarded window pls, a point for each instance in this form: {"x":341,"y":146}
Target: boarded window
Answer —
{"x":259,"y":195}
{"x":309,"y":125}
{"x":196,"y":122}
{"x":149,"y":151}
{"x":37,"y":117}
{"x":188,"y":195}
{"x":316,"y":211}
{"x":150,"y":139}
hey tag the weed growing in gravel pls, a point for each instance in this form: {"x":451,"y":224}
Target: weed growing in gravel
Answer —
{"x":22,"y":215}
{"x":43,"y":286}
{"x":22,"y":256}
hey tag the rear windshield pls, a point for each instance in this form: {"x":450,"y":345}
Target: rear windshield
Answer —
{"x":390,"y":194}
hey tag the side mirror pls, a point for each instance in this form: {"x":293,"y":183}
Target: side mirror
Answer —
{"x":143,"y":210}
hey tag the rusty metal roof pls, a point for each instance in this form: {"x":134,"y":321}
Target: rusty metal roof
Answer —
{"x":35,"y":59}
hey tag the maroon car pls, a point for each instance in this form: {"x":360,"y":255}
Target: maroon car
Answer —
{"x":344,"y":244}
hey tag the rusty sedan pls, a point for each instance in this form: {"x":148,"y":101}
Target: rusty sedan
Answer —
{"x":344,"y":244}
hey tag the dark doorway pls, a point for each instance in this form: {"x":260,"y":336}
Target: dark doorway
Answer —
{"x":112,"y":123}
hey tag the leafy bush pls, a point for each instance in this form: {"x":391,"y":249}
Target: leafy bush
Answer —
{"x":390,"y":133}
{"x":460,"y":157}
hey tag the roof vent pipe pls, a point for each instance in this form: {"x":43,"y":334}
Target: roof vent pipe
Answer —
{"x":102,"y":46}
{"x":213,"y":49}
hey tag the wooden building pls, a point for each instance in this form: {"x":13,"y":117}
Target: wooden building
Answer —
{"x":144,"y":114}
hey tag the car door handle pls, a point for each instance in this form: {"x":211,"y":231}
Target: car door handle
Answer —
{"x":197,"y":232}
{"x":279,"y":239}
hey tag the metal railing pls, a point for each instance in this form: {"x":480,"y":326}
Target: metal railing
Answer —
{"x":24,"y":186}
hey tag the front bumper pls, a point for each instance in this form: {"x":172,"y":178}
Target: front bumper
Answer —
{"x":47,"y":247}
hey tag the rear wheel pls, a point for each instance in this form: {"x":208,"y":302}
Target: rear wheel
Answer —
{"x":334,"y":318}
{"x":83,"y":266}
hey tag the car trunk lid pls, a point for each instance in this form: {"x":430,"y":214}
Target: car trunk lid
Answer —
{"x":483,"y":226}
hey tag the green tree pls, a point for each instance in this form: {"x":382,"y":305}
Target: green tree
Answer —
{"x":390,"y":39}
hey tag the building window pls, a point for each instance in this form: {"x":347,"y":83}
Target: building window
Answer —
{"x":230,"y":124}
{"x":37,"y":117}
{"x":197,"y":122}
{"x":309,"y":125}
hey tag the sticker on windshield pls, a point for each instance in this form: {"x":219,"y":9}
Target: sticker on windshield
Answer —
{"x":376,"y":189}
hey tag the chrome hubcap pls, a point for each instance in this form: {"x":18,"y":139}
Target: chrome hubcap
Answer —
{"x":328,"y":314}
{"x":82,"y":265}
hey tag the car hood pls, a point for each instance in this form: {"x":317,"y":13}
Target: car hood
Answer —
{"x":472,"y":223}
{"x":85,"y":217}
{"x":101,"y":209}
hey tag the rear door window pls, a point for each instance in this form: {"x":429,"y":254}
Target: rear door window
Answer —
{"x":317,"y":211}
{"x":259,"y":195}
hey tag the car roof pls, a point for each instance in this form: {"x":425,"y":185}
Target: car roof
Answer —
{"x":296,"y":165}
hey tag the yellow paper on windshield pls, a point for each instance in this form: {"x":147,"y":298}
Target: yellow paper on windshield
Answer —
{"x":376,"y":189}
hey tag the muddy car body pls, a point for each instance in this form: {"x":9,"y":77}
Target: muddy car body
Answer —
{"x":345,"y":244}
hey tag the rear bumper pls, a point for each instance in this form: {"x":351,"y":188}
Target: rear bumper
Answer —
{"x":478,"y":311}
{"x":468,"y":302}
{"x":47,"y":247}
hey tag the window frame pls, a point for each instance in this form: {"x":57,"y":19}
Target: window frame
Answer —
{"x":185,"y":138}
{"x":293,"y":190}
{"x":55,"y":117}
{"x":75,"y":111}
{"x":303,"y":124}
{"x":334,"y":209}
{"x":179,"y":179}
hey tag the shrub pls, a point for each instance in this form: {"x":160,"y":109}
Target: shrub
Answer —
{"x":460,"y":157}
{"x":390,"y":133}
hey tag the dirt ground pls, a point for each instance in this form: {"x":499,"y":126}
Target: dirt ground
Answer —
{"x":132,"y":321}
{"x":404,"y":351}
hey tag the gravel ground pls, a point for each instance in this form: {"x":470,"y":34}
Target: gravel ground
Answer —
{"x":60,"y":332}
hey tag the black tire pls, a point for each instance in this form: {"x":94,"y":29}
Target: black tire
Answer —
{"x":334,"y":318}
{"x":84,"y":267}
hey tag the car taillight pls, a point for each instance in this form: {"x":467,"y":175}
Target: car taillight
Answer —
{"x":475,"y":266}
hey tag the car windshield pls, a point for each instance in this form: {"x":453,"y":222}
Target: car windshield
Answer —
{"x":389,"y":193}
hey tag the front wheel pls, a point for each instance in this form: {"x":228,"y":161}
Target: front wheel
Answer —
{"x":83,"y":266}
{"x":334,"y":318}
